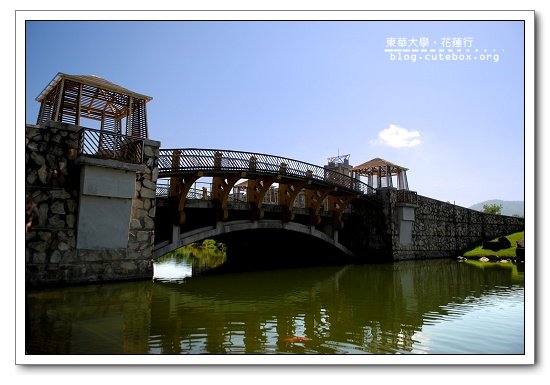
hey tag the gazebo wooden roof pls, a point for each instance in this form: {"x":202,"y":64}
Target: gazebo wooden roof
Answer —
{"x":381,"y":171}
{"x":378,"y":166}
{"x":68,"y":98}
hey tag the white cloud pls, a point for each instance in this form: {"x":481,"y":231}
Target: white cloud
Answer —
{"x":395,"y":136}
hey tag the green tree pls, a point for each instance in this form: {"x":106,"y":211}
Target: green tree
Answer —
{"x":492,"y":208}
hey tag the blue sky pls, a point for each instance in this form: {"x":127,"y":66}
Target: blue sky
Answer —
{"x":312,"y":90}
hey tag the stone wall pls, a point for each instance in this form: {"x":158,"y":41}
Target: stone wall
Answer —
{"x":142,"y":221}
{"x":52,"y":186}
{"x":366,"y":232}
{"x":443,"y":230}
{"x":387,"y":230}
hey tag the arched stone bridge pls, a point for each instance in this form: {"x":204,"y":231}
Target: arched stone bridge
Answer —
{"x":273,"y":200}
{"x":298,"y":197}
{"x":97,"y":210}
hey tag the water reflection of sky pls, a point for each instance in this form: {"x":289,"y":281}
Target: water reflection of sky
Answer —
{"x":487,"y":327}
{"x":172,"y":270}
{"x":460,"y":325}
{"x":421,"y":307}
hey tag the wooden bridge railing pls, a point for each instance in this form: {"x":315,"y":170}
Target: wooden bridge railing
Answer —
{"x":175,"y":161}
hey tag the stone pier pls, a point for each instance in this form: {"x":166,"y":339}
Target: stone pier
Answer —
{"x":92,"y":218}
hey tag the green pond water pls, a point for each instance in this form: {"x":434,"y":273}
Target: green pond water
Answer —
{"x":412,"y":307}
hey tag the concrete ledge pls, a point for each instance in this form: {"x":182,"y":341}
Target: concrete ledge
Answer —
{"x":161,"y":245}
{"x":150,"y":142}
{"x":61,"y":126}
{"x":198,"y":204}
{"x":405,"y":204}
{"x":110,"y":163}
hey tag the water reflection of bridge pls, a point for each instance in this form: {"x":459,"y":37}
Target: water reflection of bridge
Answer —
{"x":378,"y":308}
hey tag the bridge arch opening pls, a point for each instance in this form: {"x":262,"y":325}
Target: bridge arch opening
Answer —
{"x":265,"y":249}
{"x":265,"y":245}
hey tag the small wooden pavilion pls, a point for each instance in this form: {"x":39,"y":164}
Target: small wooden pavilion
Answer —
{"x":71,"y":98}
{"x":379,"y":173}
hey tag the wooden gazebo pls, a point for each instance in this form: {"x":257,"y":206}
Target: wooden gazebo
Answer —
{"x":70,"y":98}
{"x":379,"y":173}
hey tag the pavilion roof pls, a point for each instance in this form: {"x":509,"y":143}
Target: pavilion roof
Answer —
{"x":373,"y":165}
{"x":90,"y":80}
{"x":71,"y":98}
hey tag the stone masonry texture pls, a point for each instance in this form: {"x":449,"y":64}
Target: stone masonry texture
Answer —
{"x":52,"y":180}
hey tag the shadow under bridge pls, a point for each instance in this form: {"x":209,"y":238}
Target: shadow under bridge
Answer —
{"x":209,"y":193}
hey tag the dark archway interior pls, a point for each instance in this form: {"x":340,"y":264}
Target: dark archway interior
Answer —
{"x":265,"y":249}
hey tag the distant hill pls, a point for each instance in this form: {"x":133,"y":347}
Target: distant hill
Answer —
{"x":508,"y":207}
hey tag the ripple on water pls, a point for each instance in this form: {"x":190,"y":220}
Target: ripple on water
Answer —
{"x":493,"y":325}
{"x":372,"y":309}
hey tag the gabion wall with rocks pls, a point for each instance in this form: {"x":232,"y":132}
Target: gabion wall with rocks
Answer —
{"x":52,"y":184}
{"x":444,"y":230}
{"x":365,"y":231}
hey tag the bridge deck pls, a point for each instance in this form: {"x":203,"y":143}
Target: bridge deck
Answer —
{"x":212,"y":162}
{"x":301,"y":194}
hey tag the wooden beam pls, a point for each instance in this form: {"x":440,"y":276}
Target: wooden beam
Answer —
{"x":256,"y":191}
{"x":179,"y":188}
{"x":129,"y":120}
{"x":287,"y":195}
{"x":314,"y":199}
{"x":78,"y":104}
{"x":221,"y":187}
{"x":60,"y":101}
{"x":338,"y":205}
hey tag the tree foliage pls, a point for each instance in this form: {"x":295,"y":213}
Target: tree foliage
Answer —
{"x":492,"y":208}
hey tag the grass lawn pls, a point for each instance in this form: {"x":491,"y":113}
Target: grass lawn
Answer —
{"x":510,"y":252}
